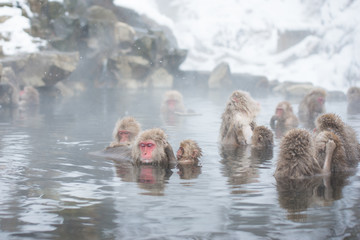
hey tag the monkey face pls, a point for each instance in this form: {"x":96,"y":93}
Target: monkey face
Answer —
{"x":172,"y":104}
{"x":147,"y":148}
{"x":124,"y":136}
{"x":179,"y":153}
{"x":279,"y":112}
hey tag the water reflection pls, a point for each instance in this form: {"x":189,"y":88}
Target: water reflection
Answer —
{"x":297,"y":195}
{"x":240,"y":164}
{"x":51,"y":188}
{"x":188,"y":171}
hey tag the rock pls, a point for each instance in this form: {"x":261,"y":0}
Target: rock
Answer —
{"x":173,"y":59}
{"x":160,"y":78}
{"x":101,"y":27}
{"x":124,"y":35}
{"x":220,"y":77}
{"x":125,"y":68}
{"x":8,"y":75}
{"x":293,"y":89}
{"x":336,"y":96}
{"x":257,"y":85}
{"x":42,"y":68}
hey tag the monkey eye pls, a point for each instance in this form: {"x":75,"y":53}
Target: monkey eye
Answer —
{"x":146,"y":145}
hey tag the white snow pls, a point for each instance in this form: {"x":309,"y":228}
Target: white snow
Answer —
{"x":14,"y":39}
{"x":245,"y":34}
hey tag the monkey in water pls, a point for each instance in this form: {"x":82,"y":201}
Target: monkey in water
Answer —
{"x":238,"y":119}
{"x":189,"y":152}
{"x":353,"y":99}
{"x":284,"y":118}
{"x":152,"y":147}
{"x":312,"y":106}
{"x":125,"y":132}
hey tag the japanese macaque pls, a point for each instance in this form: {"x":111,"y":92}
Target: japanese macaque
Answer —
{"x":284,"y":119}
{"x":29,"y":97}
{"x":9,"y":95}
{"x":152,"y":147}
{"x":346,"y":150}
{"x":173,"y":102}
{"x":189,"y":152}
{"x":125,"y":132}
{"x":297,"y":156}
{"x":353,"y":99}
{"x":312,"y":105}
{"x":238,"y":119}
{"x":262,"y":137}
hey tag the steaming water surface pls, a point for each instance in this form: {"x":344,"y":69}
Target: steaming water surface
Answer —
{"x":52,"y":188}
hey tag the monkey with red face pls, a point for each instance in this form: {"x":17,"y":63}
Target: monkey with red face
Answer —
{"x":284,"y":119}
{"x":125,"y":132}
{"x":312,"y":106}
{"x":173,"y":102}
{"x":152,"y":147}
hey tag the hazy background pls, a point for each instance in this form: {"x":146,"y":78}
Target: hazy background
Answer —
{"x":296,"y":40}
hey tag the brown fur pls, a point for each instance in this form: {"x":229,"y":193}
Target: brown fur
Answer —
{"x":338,"y":161}
{"x":173,"y":95}
{"x":310,"y":108}
{"x":30,"y":97}
{"x":238,"y":119}
{"x":296,"y":157}
{"x":262,"y":137}
{"x":163,"y":154}
{"x":189,"y":152}
{"x":346,"y":136}
{"x":353,"y":99}
{"x":128,"y":124}
{"x":286,"y":121}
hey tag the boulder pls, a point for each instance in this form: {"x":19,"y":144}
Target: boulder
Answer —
{"x":129,"y":68}
{"x":42,"y":68}
{"x":160,"y":78}
{"x":101,"y":27}
{"x":220,"y":77}
{"x":336,"y":96}
{"x":124,"y":34}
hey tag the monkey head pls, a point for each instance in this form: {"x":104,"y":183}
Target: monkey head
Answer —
{"x":189,"y":152}
{"x":242,"y":101}
{"x":329,"y":121}
{"x":173,"y":102}
{"x":126,"y":130}
{"x":151,"y":147}
{"x":317,"y":98}
{"x":262,"y":137}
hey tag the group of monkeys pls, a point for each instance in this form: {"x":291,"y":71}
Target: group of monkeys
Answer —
{"x":327,"y":146}
{"x":11,"y":96}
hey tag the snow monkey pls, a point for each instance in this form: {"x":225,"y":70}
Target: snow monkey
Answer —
{"x":262,"y":137}
{"x":152,"y":147}
{"x":353,"y":99}
{"x":284,"y":119}
{"x":238,"y":119}
{"x":189,"y":152}
{"x":29,"y":97}
{"x":346,"y":152}
{"x":311,"y":106}
{"x":173,"y":102}
{"x":125,"y":132}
